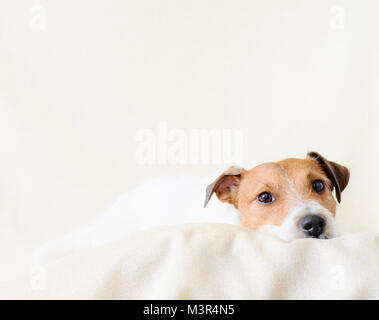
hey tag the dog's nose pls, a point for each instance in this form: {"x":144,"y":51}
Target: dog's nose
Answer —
{"x":312,"y":225}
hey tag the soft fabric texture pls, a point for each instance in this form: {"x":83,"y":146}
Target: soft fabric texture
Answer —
{"x":209,"y":261}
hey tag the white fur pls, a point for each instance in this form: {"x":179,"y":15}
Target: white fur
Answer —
{"x":289,"y":231}
{"x":291,"y":185}
{"x":159,"y":202}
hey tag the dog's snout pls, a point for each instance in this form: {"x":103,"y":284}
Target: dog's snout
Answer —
{"x":312,"y":225}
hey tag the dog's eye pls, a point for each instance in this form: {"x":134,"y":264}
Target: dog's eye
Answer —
{"x":318,"y":186}
{"x":266,"y":198}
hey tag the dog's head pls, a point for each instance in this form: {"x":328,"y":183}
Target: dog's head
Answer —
{"x":291,"y":199}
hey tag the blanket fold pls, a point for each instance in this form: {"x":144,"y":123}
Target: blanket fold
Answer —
{"x":209,"y":261}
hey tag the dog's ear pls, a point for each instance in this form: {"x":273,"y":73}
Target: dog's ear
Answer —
{"x":225,"y":186}
{"x":338,"y":174}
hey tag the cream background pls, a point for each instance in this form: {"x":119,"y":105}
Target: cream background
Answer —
{"x":79,"y":78}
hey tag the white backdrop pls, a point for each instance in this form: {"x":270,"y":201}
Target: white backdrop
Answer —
{"x":80,"y":79}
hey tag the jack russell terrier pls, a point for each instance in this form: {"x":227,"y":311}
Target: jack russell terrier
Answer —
{"x":290,"y":199}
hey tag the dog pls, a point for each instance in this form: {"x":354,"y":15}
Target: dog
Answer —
{"x":290,"y":199}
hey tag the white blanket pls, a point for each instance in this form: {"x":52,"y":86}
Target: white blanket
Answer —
{"x":209,"y":261}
